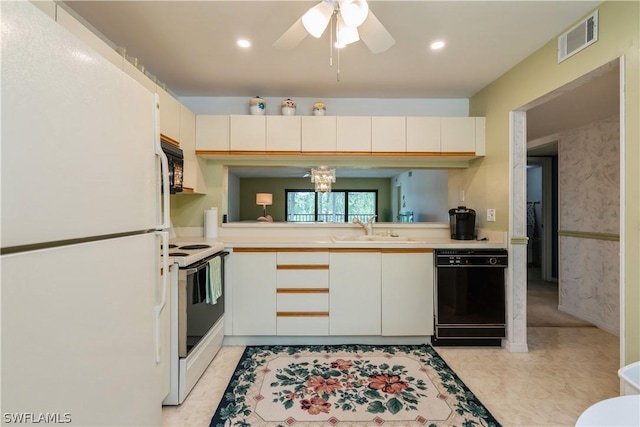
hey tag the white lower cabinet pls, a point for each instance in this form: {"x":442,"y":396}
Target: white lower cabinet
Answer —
{"x":302,"y":292}
{"x":354,"y":292}
{"x":254,"y":292}
{"x":407,"y":292}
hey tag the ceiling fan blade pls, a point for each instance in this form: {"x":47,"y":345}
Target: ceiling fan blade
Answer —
{"x":375,"y":35}
{"x":292,"y":37}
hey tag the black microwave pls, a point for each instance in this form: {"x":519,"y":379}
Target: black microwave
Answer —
{"x":175,"y":159}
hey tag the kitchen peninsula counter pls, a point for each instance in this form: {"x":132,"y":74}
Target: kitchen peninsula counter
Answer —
{"x":322,"y":235}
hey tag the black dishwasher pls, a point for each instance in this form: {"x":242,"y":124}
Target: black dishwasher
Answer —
{"x":470,"y":296}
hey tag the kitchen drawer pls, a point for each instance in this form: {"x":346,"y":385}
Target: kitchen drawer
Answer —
{"x":302,"y":278}
{"x":302,"y":302}
{"x":303,"y":325}
{"x":303,"y":257}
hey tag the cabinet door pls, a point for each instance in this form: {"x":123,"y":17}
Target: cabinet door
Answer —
{"x":423,"y":135}
{"x":354,"y":293}
{"x":193,"y":176}
{"x":388,"y":135}
{"x":212,"y":133}
{"x":319,"y":134}
{"x":407,"y":292}
{"x":254,"y":293}
{"x":480,"y":136}
{"x":458,"y":135}
{"x":284,"y":133}
{"x":169,"y":115}
{"x":247,"y":133}
{"x":353,"y":134}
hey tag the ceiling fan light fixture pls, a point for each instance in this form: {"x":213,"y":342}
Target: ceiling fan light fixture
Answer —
{"x":345,"y":34}
{"x":316,"y":19}
{"x":354,"y":12}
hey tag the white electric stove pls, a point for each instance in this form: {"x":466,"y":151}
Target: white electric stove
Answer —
{"x":185,"y":252}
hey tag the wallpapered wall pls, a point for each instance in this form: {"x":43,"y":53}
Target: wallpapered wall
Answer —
{"x":589,"y":191}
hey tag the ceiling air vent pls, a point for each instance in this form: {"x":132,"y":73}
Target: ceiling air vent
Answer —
{"x":577,"y":38}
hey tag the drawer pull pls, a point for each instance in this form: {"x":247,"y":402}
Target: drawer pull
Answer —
{"x":302,"y":290}
{"x":302,"y":314}
{"x":302,"y":266}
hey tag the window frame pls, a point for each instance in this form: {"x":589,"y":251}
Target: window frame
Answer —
{"x":315,"y":204}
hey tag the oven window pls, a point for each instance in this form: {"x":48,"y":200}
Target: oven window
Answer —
{"x":470,"y":295}
{"x":201,"y":316}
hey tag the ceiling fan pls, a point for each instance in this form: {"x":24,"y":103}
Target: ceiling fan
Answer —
{"x":353,"y":19}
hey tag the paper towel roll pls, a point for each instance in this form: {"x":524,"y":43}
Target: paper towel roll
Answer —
{"x":211,"y":223}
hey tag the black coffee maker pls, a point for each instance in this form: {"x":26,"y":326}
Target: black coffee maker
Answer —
{"x":463,"y":223}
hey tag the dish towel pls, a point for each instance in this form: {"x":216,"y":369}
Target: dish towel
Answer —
{"x":214,"y":280}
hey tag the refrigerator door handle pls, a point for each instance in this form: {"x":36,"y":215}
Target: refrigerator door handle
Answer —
{"x":164,"y":235}
{"x":164,"y":167}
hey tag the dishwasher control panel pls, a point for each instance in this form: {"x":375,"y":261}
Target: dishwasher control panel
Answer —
{"x":471,"y":258}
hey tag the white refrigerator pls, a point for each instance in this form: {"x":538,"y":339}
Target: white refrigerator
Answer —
{"x":83,"y":293}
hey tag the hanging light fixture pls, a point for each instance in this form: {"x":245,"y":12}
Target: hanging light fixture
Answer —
{"x":350,"y":14}
{"x":323,"y":177}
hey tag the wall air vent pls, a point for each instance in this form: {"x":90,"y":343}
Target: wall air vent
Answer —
{"x":577,"y":38}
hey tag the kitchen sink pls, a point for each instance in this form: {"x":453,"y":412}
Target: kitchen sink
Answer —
{"x":372,"y":239}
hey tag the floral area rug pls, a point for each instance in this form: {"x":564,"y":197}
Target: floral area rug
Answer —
{"x":347,"y":385}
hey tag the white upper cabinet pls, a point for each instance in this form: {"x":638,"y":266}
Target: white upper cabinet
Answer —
{"x":388,"y":135}
{"x":423,"y":135}
{"x":458,"y":135}
{"x":247,"y":133}
{"x":284,"y":133}
{"x":212,"y":133}
{"x":193,"y":176}
{"x":353,"y":134}
{"x":319,"y":133}
{"x":169,"y":115}
{"x":480,"y":136}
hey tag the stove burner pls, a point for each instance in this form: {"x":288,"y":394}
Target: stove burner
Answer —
{"x":178,"y":254}
{"x":188,"y":247}
{"x":171,"y":246}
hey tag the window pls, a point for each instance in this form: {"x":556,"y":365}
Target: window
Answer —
{"x":335,"y":206}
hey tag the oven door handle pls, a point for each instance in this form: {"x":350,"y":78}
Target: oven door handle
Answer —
{"x":202,"y":264}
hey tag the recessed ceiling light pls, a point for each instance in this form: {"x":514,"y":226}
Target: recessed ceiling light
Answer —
{"x":244,"y":43}
{"x":437,"y":45}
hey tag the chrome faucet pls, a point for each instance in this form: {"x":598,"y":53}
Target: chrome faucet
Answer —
{"x":368,"y":227}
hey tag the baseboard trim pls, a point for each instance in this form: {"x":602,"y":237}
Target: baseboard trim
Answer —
{"x":515,"y":347}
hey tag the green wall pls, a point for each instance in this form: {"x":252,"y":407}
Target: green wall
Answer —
{"x":487,"y":179}
{"x":276,"y":186}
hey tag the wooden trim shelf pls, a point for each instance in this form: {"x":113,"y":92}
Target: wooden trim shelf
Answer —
{"x":169,"y":140}
{"x":347,"y":250}
{"x":302,"y":314}
{"x":589,"y":235}
{"x":303,"y":249}
{"x":255,"y":250}
{"x":406,"y":250}
{"x":302,"y":267}
{"x":302,"y":290}
{"x":456,"y":153}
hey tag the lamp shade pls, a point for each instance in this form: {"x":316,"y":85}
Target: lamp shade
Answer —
{"x":354,"y":12}
{"x":264,"y":199}
{"x":345,"y":34}
{"x":317,"y":18}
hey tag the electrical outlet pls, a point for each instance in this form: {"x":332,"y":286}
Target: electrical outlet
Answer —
{"x":491,"y":215}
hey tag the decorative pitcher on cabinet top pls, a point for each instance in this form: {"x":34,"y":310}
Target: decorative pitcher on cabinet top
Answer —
{"x":257,"y":106}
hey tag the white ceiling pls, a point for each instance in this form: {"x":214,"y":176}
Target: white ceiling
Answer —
{"x":190,"y":46}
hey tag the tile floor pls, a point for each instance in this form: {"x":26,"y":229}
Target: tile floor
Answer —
{"x":566,"y":371}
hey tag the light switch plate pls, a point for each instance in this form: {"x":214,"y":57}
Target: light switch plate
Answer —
{"x":491,"y":215}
